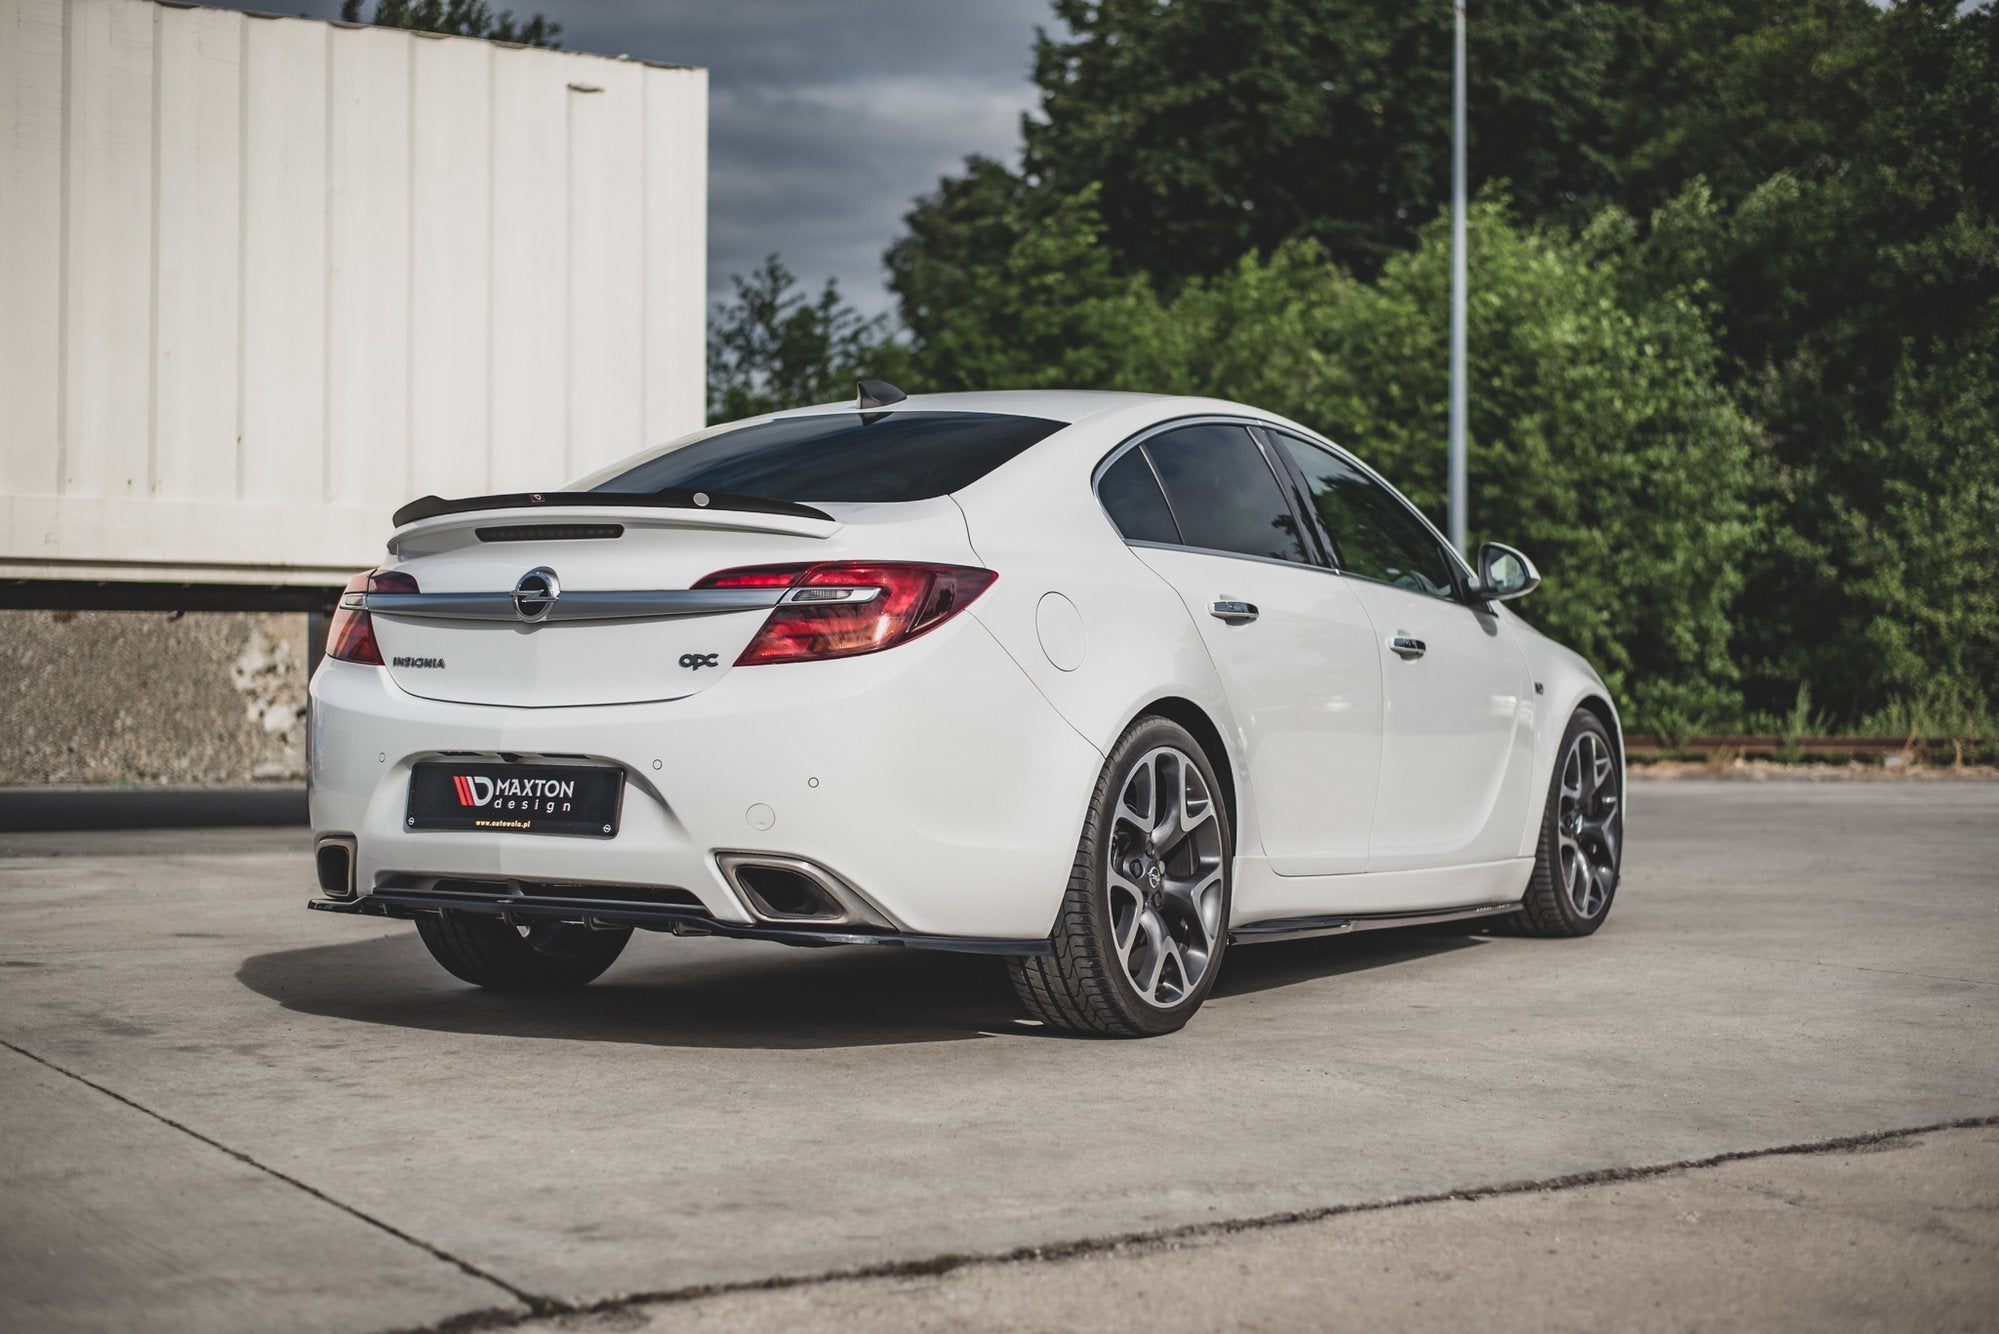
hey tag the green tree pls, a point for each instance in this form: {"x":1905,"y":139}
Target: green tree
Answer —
{"x":459,"y":18}
{"x":1219,"y":128}
{"x":1911,"y":574}
{"x":1228,"y":128}
{"x":773,"y":348}
{"x":1045,"y":312}
{"x":952,"y":233}
{"x":1603,"y":441}
{"x":1816,"y":180}
{"x":1732,"y":92}
{"x":1849,"y":243}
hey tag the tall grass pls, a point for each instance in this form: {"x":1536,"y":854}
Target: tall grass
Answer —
{"x":1939,"y":713}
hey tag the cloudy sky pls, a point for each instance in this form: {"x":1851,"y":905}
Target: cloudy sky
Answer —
{"x":826,"y":117}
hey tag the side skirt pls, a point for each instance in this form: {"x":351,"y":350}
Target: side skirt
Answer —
{"x":1262,"y":895}
{"x":1304,"y":928}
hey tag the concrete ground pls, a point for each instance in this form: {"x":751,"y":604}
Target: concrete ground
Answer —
{"x":220,"y":1112}
{"x":1895,"y":1235}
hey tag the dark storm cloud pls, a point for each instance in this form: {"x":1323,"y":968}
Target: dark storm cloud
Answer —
{"x":826,"y":117}
{"x":824,"y":174}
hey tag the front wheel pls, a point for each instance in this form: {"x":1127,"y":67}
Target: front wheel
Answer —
{"x":547,"y":956}
{"x":1578,"y":856}
{"x":1144,"y":923}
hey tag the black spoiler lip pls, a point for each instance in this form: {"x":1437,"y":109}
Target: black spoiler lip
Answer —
{"x":429,"y":507}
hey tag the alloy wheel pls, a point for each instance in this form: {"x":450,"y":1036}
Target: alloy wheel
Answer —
{"x":1164,"y":877}
{"x":1589,"y":826}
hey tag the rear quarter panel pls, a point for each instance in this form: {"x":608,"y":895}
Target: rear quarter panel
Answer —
{"x":1037,"y":522}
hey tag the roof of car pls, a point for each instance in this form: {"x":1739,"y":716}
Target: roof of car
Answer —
{"x":1063,"y":405}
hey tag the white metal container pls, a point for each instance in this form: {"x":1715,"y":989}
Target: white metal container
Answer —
{"x":264,"y":279}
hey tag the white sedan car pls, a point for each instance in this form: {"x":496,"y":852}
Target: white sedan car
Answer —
{"x":1102,"y":683}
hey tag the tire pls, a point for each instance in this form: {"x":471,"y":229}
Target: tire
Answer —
{"x":1144,"y":923}
{"x":1578,"y":857}
{"x":548,"y":956}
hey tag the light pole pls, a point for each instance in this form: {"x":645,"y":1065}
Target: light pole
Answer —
{"x":1456,"y":515}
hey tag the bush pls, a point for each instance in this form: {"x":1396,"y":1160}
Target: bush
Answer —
{"x":1601,"y":441}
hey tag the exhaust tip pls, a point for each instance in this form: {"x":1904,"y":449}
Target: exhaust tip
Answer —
{"x":779,"y":891}
{"x":791,"y":890}
{"x":333,"y":860}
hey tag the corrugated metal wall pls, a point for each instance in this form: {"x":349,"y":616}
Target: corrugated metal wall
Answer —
{"x":262,"y":280}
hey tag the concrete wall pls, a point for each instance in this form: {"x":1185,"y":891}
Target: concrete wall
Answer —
{"x":264,"y":279}
{"x":145,"y":697}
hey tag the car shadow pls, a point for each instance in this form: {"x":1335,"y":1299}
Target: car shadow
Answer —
{"x":723,"y":993}
{"x":1287,"y":963}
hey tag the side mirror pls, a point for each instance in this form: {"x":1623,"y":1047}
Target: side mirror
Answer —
{"x":1504,"y":574}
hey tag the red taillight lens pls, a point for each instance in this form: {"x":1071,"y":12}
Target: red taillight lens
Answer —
{"x":838,"y":610}
{"x":350,"y":636}
{"x":755,"y":576}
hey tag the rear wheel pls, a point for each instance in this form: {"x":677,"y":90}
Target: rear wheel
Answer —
{"x":546,"y":956}
{"x":1581,"y":847}
{"x":1144,"y":923}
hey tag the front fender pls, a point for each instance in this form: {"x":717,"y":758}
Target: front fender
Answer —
{"x":1563,"y":682}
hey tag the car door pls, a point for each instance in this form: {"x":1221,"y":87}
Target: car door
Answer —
{"x":1457,"y":723}
{"x":1201,"y":505}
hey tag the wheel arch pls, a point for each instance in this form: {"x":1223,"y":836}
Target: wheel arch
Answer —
{"x":1565,"y":685}
{"x":1588,"y":698}
{"x":1188,"y":714}
{"x":1606,"y":715}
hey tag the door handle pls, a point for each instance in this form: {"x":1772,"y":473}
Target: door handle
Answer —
{"x":1232,"y":611}
{"x":1407,"y":645}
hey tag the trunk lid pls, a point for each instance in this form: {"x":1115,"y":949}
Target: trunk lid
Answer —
{"x":623,"y":626}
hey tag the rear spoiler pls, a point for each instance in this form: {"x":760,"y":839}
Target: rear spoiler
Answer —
{"x":429,"y":507}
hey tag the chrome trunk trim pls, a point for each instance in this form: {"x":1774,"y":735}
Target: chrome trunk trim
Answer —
{"x":574,"y":606}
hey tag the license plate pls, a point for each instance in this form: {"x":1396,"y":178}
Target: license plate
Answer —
{"x":516,"y":798}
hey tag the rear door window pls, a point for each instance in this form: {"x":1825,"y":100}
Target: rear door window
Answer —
{"x":841,"y":457}
{"x":1224,"y":494}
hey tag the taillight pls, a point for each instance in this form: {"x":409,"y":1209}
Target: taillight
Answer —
{"x":840,"y":609}
{"x":755,"y":576}
{"x":350,"y":636}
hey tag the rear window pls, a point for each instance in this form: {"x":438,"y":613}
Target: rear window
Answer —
{"x":857,"y":458}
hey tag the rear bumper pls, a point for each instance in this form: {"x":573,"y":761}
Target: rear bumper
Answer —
{"x":933,"y":779}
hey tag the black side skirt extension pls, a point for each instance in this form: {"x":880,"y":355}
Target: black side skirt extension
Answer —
{"x":1304,"y":928}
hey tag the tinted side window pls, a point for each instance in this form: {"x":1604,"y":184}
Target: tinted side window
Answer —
{"x":1223,"y":492}
{"x":1374,"y":534}
{"x":1131,"y":497}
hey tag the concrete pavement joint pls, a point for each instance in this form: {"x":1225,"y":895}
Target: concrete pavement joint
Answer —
{"x":491,"y":1318}
{"x":475,"y":1322}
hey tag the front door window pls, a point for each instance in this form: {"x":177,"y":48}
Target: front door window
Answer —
{"x":1374,"y":534}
